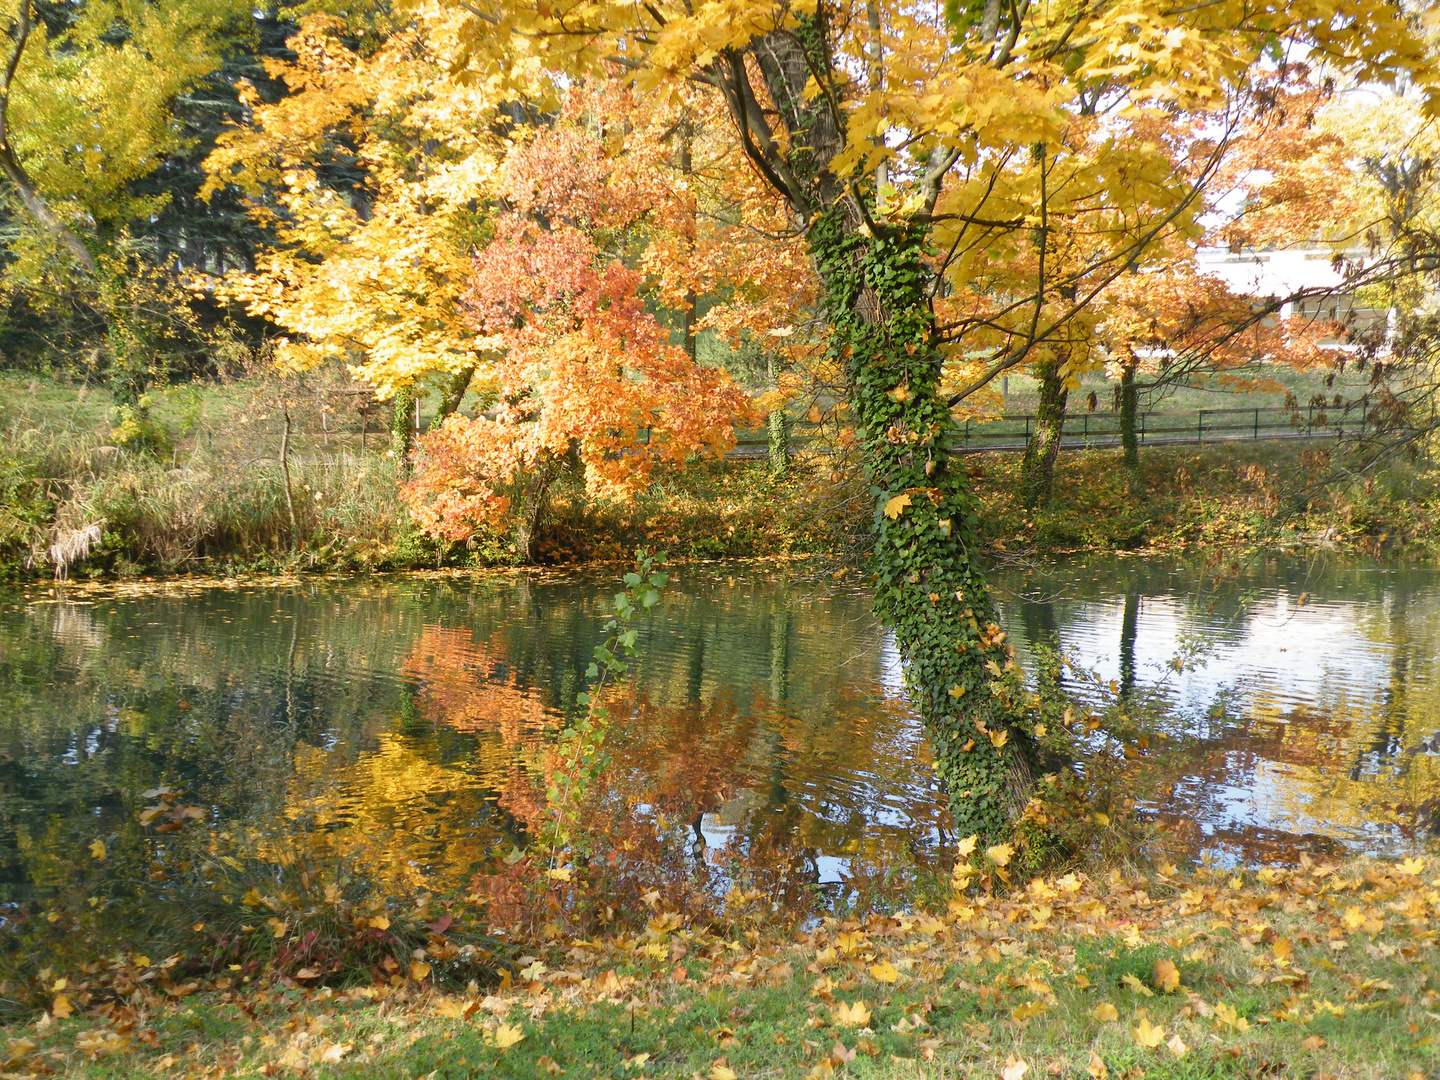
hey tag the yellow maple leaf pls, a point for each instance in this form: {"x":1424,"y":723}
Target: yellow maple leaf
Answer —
{"x":1226,"y":1014}
{"x":1136,"y":985}
{"x":419,"y":970}
{"x":884,"y":972}
{"x":1149,"y":1035}
{"x":967,"y":846}
{"x":856,"y":1015}
{"x":1177,"y":1046}
{"x":1283,"y":950}
{"x":957,"y":691}
{"x":998,"y":738}
{"x":61,"y":1008}
{"x":1097,"y":1067}
{"x":379,"y":922}
{"x":507,"y":1035}
{"x":1028,"y":1010}
{"x":1105,"y":1012}
{"x":1411,"y":867}
{"x":721,"y":1072}
{"x":896,"y":506}
{"x":97,"y":849}
{"x":1014,"y":1068}
{"x":1000,"y":854}
{"x":1167,"y":976}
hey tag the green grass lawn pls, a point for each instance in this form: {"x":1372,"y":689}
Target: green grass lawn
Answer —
{"x":1322,"y":971}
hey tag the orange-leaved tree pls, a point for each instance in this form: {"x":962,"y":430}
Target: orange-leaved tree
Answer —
{"x":581,"y":366}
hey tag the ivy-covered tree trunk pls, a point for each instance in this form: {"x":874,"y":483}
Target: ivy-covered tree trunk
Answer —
{"x":1037,"y":469}
{"x":929,"y":588}
{"x":402,"y":428}
{"x":454,"y":395}
{"x":1129,"y":439}
{"x":777,"y":427}
{"x":532,"y":505}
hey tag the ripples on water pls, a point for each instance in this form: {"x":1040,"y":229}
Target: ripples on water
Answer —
{"x":766,"y":732}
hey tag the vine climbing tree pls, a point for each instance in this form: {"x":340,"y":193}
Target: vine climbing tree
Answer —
{"x":922,"y":155}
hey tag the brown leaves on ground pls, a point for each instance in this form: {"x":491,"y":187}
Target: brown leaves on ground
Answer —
{"x":1021,"y":946}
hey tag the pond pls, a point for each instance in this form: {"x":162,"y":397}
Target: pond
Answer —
{"x":766,"y":736}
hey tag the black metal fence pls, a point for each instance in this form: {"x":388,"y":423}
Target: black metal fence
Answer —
{"x":1095,"y":430}
{"x":1098,"y":430}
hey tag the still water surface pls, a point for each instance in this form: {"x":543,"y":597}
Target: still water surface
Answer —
{"x":767,"y":728}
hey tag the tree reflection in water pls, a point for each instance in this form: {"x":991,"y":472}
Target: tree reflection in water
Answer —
{"x":763,"y":742}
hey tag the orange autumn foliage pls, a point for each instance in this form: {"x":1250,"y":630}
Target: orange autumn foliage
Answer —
{"x":582,"y":364}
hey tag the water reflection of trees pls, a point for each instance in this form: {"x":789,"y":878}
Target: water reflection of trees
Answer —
{"x":760,"y":729}
{"x":1317,"y":728}
{"x":714,"y":777}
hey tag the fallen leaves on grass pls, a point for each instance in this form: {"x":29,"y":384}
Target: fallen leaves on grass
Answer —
{"x":1105,"y":1012}
{"x":1148,"y":1035}
{"x":853,"y":1015}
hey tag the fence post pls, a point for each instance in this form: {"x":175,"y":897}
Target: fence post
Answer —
{"x":1310,"y":420}
{"x":1027,"y":427}
{"x":1200,"y":428}
{"x":1142,"y":426}
{"x":1256,"y":434}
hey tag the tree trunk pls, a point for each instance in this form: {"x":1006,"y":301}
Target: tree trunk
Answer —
{"x":929,"y":589}
{"x":1037,"y":470}
{"x":533,"y":503}
{"x":686,"y":163}
{"x":285,"y":469}
{"x":778,"y":429}
{"x":454,"y":394}
{"x":1129,"y":441}
{"x":402,"y":431}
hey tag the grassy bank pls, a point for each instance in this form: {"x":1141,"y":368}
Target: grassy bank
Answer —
{"x":1235,"y":496}
{"x":198,"y":484}
{"x":1317,"y":971}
